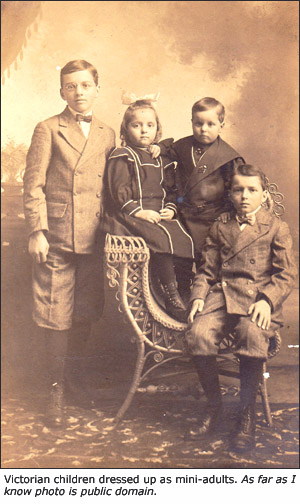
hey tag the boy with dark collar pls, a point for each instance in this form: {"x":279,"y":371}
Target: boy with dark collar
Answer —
{"x":247,"y":273}
{"x":205,"y":163}
{"x":62,"y":201}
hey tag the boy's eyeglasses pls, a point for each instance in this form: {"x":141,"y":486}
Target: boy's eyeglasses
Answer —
{"x":72,"y":86}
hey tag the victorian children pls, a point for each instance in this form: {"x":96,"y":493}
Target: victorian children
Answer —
{"x":140,"y":198}
{"x":246,"y":274}
{"x":62,"y":196}
{"x":205,"y":162}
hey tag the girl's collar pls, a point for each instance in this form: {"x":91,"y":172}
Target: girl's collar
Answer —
{"x":143,"y":149}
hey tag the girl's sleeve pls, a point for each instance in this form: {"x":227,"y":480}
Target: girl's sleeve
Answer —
{"x":121,"y":179}
{"x":170,"y":186}
{"x":168,"y":149}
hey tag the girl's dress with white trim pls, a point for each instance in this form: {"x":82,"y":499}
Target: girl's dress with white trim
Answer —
{"x":135,"y":181}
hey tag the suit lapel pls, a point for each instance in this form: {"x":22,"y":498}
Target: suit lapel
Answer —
{"x":238,"y":240}
{"x":71,"y":131}
{"x":218,"y":154}
{"x":94,"y":140}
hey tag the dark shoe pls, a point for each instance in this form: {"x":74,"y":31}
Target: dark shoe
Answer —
{"x":54,"y":416}
{"x":243,"y":438}
{"x":174,"y":303}
{"x":208,"y":423}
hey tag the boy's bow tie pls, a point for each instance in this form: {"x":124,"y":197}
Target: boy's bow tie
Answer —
{"x":247,"y":219}
{"x":81,"y":117}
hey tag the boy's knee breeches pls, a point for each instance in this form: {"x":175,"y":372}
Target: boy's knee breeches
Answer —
{"x":208,"y":330}
{"x":67,"y":286}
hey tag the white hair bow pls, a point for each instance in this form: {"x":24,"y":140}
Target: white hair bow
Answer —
{"x":130,"y":98}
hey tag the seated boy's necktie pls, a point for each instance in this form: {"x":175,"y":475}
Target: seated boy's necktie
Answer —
{"x":81,"y":117}
{"x":247,"y":219}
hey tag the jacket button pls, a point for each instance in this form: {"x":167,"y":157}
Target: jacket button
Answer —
{"x":250,"y":291}
{"x":98,"y":214}
{"x":252,"y":261}
{"x":224,"y":284}
{"x":225,"y":264}
{"x":98,"y":195}
{"x":99,"y":174}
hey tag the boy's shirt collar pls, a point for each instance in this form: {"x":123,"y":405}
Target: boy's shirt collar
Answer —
{"x":74,"y":113}
{"x":84,"y":126}
{"x":243,"y":225}
{"x":253,"y":212}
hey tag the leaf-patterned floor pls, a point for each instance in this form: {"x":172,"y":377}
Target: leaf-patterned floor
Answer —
{"x":152,"y":435}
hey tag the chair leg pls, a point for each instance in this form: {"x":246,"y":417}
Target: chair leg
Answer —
{"x":264,"y":397}
{"x":140,"y":361}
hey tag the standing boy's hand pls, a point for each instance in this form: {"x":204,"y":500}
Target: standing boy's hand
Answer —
{"x":261,"y":312}
{"x":154,"y":150}
{"x":197,"y":306}
{"x":38,"y":247}
{"x":224,"y":217}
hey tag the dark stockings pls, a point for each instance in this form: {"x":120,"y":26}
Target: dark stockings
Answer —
{"x":56,"y":343}
{"x":164,"y":268}
{"x":250,"y":377}
{"x":207,"y":370}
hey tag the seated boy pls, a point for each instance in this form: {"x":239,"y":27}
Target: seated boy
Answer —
{"x":205,"y":163}
{"x":246,"y":274}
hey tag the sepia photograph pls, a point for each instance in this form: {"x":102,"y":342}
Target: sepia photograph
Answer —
{"x":149,"y":185}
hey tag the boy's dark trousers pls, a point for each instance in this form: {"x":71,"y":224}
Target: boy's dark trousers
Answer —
{"x":250,"y":378}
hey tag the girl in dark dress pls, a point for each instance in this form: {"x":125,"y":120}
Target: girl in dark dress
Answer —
{"x":140,"y":198}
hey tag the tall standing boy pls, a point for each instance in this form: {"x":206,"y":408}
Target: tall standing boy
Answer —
{"x":62,"y":201}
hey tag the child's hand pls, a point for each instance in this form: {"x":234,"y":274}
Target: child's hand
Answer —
{"x":166,"y":213}
{"x":197,"y":306}
{"x":224,"y":217}
{"x":154,"y":150}
{"x":148,"y":215}
{"x":261,"y":310}
{"x":38,"y":247}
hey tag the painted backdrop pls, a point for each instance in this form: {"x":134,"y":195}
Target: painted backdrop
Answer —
{"x":242,"y":53}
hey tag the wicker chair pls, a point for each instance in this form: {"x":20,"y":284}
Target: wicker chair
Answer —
{"x":159,"y":337}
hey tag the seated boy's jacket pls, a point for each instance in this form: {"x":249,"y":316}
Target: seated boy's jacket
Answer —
{"x":207,"y":180}
{"x":246,"y":266}
{"x":63,"y":181}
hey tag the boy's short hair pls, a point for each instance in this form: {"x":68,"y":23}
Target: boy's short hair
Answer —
{"x":207,"y":104}
{"x":250,"y":171}
{"x":139,"y":104}
{"x":77,"y":66}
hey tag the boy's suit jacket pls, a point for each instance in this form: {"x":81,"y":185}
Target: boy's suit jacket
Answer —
{"x":240,"y":267}
{"x":63,"y":181}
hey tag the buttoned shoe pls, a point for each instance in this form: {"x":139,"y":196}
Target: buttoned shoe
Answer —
{"x":208,"y":422}
{"x":243,"y":438}
{"x":174,"y":304}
